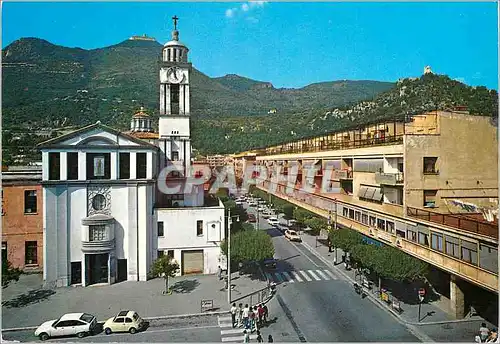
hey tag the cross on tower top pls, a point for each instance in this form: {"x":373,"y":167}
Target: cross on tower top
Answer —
{"x":175,"y":22}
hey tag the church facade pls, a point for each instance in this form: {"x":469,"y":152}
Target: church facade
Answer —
{"x":106,"y":215}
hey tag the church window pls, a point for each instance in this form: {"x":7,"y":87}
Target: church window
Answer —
{"x":72,"y":166}
{"x":99,"y":202}
{"x":98,"y":165}
{"x":97,"y":233}
{"x":141,"y":164}
{"x":124,"y":166}
{"x":54,"y":166}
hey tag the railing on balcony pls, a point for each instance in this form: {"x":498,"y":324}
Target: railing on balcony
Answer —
{"x":460,"y":222}
{"x":389,"y":178}
{"x":342,"y":174}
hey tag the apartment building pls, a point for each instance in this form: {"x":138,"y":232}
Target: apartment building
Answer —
{"x":427,"y":185}
{"x":22,"y":222}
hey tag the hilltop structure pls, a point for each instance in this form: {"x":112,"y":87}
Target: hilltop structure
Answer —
{"x":104,"y":216}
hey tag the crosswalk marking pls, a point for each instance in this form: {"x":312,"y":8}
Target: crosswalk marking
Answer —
{"x":269,"y":277}
{"x":314,"y":275}
{"x":297,"y":277}
{"x":239,"y":339}
{"x":322,"y":274}
{"x":278,"y":277}
{"x":230,"y":334}
{"x":329,"y":273}
{"x":306,"y":276}
{"x":288,"y":277}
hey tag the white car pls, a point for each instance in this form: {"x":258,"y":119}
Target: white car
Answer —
{"x":239,"y":202}
{"x":80,"y":324}
{"x":261,"y":209}
{"x":292,"y":235}
{"x":273,"y":221}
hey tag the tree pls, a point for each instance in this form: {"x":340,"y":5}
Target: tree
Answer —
{"x":316,"y":224}
{"x":9,"y":273}
{"x":288,"y":211}
{"x":249,"y":245}
{"x":345,"y":239}
{"x":164,"y":266}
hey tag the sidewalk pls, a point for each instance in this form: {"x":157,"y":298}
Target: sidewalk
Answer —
{"x":430,"y":312}
{"x":26,"y":303}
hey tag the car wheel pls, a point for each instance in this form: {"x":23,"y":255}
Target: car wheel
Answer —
{"x":81,"y":334}
{"x":107,"y":330}
{"x":44,"y":336}
{"x":132,"y":330}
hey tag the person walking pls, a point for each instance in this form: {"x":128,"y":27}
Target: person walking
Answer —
{"x":251,"y":320}
{"x":246,"y":314}
{"x":270,"y":339}
{"x":261,"y":315}
{"x":240,"y":315}
{"x":484,"y":332}
{"x":493,"y":338}
{"x":219,"y":273}
{"x":259,"y":337}
{"x":233,"y":314}
{"x":256,"y":318}
{"x":246,"y":337}
{"x":266,"y":313}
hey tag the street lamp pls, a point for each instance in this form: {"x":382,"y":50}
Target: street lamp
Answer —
{"x":229,"y":223}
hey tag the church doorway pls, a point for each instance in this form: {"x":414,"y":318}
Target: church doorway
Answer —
{"x":97,"y":268}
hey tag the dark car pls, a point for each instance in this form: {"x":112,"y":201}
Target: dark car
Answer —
{"x":252,"y":218}
{"x":269,"y":263}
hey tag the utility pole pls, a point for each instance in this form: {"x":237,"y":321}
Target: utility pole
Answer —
{"x":335,"y":229}
{"x":229,"y":223}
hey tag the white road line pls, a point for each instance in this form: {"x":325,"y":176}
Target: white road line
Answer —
{"x":306,"y":276}
{"x":225,"y":319}
{"x":288,"y":277}
{"x":314,"y":275}
{"x":238,"y":339}
{"x":232,"y":331}
{"x":305,"y":255}
{"x":269,"y":277}
{"x":278,"y":276}
{"x":297,"y":277}
{"x":321,"y":273}
{"x":330,"y":274}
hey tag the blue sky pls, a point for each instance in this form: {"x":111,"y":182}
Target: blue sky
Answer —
{"x":288,"y":44}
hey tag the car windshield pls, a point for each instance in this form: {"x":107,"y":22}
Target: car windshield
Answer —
{"x":87,"y":317}
{"x":292,"y":233}
{"x":135,"y":316}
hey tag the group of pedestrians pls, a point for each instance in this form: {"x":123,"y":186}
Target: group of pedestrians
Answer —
{"x":487,"y":336}
{"x":251,"y":319}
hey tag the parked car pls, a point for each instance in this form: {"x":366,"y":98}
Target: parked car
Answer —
{"x":125,"y":321}
{"x":273,"y":221}
{"x":261,"y":209}
{"x":282,"y":228}
{"x":292,"y":235}
{"x":239,"y":202}
{"x":70,"y":324}
{"x":252,"y":204}
{"x":269,"y":263}
{"x":252,"y":218}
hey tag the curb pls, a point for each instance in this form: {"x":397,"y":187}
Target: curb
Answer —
{"x":324,"y":260}
{"x":159,"y":317}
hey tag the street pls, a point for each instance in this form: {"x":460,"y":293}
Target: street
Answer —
{"x":320,"y":305}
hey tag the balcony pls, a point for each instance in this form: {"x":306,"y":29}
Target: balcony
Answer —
{"x":389,"y":178}
{"x":98,"y":246}
{"x":464,"y":223}
{"x":342,"y":174}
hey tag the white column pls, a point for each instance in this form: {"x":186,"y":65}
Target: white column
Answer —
{"x":168,"y":108}
{"x":149,"y":165}
{"x":181,"y":100}
{"x":63,"y":165}
{"x":45,"y":165}
{"x":187,"y":103}
{"x":82,"y":166}
{"x":133,"y":164}
{"x":114,"y":165}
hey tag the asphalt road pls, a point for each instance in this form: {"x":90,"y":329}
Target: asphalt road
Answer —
{"x":324,"y":307}
{"x":204,"y":329}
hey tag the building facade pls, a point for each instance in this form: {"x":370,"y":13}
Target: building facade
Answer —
{"x":428,"y":186}
{"x":106,"y":216}
{"x":22,"y":221}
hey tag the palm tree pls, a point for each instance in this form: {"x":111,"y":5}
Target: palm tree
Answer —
{"x":166,"y":267}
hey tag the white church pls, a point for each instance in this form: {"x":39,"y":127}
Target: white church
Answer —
{"x":105,"y":219}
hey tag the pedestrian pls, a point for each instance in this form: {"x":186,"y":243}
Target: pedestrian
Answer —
{"x":259,"y":337}
{"x":493,"y":338}
{"x":266,"y":313}
{"x":246,"y":337}
{"x":329,"y":245}
{"x":219,"y":273}
{"x":246,"y":314}
{"x":233,"y":314}
{"x":261,"y":314}
{"x":484,"y":332}
{"x":251,"y":320}
{"x":256,"y":317}
{"x":270,"y":339}
{"x":240,"y":315}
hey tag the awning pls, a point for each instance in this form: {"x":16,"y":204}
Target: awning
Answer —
{"x":378,"y":196}
{"x":370,"y":192}
{"x":362,"y":191}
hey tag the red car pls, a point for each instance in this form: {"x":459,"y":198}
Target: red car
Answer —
{"x":252,"y":218}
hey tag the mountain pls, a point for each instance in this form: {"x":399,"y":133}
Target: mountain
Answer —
{"x":55,"y":87}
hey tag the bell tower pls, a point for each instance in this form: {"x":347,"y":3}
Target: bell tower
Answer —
{"x":174,"y":128}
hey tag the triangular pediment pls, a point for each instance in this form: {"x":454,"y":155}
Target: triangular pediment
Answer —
{"x":95,"y":135}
